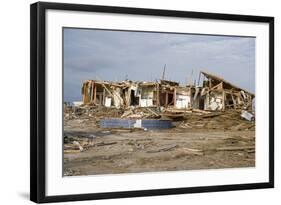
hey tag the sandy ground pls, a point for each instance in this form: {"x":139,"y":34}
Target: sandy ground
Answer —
{"x":131,"y":151}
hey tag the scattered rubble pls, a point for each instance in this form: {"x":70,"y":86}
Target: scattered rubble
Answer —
{"x":228,"y":120}
{"x":174,"y":149}
{"x":133,"y":119}
{"x":71,"y":172}
{"x":222,"y":121}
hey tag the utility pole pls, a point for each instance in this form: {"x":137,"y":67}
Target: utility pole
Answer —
{"x":190,"y":79}
{"x":163,"y":75}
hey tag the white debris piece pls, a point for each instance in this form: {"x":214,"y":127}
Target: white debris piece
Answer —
{"x":247,"y":115}
{"x":213,"y":106}
{"x":107,"y":102}
{"x":146,"y":102}
{"x":78,"y":144}
{"x":77,"y":103}
{"x":138,"y":124}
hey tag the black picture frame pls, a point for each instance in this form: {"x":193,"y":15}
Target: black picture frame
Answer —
{"x":38,"y":101}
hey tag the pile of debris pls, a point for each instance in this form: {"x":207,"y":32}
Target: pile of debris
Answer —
{"x":90,"y":111}
{"x":141,"y":113}
{"x":79,"y":143}
{"x":231,"y":119}
{"x":228,"y":120}
{"x":100,"y":112}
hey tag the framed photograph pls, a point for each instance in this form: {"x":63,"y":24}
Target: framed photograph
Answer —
{"x":129,"y":102}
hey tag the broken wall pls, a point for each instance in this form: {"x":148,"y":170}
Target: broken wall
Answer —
{"x":183,"y":98}
{"x":86,"y":92}
{"x":147,"y":96}
{"x":215,"y":101}
{"x":117,"y":99}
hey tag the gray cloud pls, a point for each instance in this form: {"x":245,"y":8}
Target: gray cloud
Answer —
{"x":112,"y":55}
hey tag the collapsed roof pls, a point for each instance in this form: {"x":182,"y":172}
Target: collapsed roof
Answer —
{"x":227,"y":85}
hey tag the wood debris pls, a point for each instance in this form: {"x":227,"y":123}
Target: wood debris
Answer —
{"x":235,"y":148}
{"x":104,"y":143}
{"x":191,"y":151}
{"x":163,"y":149}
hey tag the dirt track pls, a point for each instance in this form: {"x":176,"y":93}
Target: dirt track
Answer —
{"x":126,"y":151}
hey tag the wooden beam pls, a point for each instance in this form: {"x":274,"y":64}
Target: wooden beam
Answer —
{"x":175,"y":97}
{"x":166,"y":100}
{"x":157,"y":95}
{"x":235,"y":148}
{"x":107,"y":90}
{"x":95,"y":93}
{"x":251,"y":103}
{"x":217,"y":87}
{"x":102,"y":102}
{"x":234,"y":102}
{"x":223,"y":100}
{"x":83,"y":93}
{"x":128,"y":97}
{"x":86,"y":98}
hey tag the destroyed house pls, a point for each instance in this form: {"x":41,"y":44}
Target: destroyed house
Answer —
{"x":143,"y":94}
{"x":122,"y":94}
{"x":215,"y":94}
{"x":174,"y":95}
{"x":149,"y":94}
{"x":103,"y":93}
{"x":219,"y":94}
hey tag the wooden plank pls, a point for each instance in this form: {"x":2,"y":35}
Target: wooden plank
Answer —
{"x":157,"y":95}
{"x":102,"y":102}
{"x":151,"y":111}
{"x":175,"y":110}
{"x":105,"y":143}
{"x":223,"y":100}
{"x":92,"y":92}
{"x":164,"y":149}
{"x":95,"y":93}
{"x":71,"y":151}
{"x":200,"y":111}
{"x":250,"y":102}
{"x":83,"y":92}
{"x":192,"y":151}
{"x":215,"y":114}
{"x":107,"y":90}
{"x":86,"y":94}
{"x":235,"y":148}
{"x":217,"y":87}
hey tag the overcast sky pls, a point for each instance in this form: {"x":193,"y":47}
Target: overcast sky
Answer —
{"x":141,"y":56}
